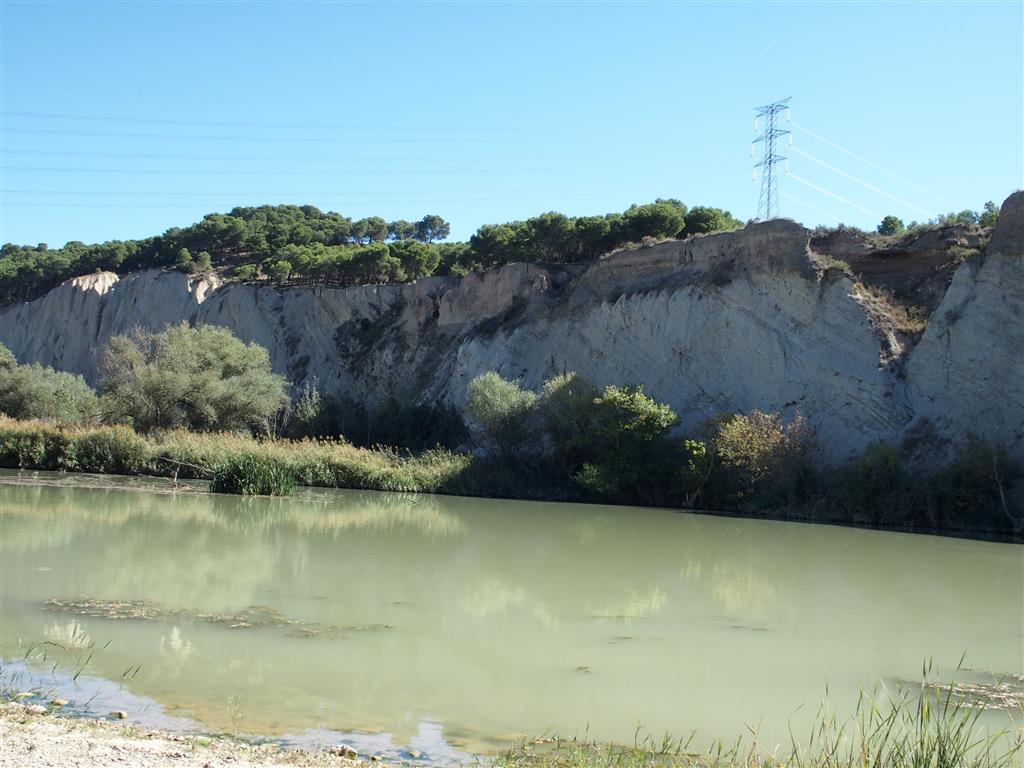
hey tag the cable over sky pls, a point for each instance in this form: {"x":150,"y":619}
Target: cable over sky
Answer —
{"x":486,"y":113}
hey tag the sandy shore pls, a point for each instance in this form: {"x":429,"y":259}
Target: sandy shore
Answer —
{"x":30,"y":740}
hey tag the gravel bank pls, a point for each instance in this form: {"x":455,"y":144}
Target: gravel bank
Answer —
{"x":30,"y":740}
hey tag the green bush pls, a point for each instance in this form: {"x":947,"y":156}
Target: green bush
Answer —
{"x":702,"y":219}
{"x":877,"y":474}
{"x":418,"y":426}
{"x":980,"y":490}
{"x":612,"y":444}
{"x":29,"y":445}
{"x":37,"y":392}
{"x":989,"y":215}
{"x":567,"y":406}
{"x":251,"y":474}
{"x":696,"y":470}
{"x":502,"y":411}
{"x":414,"y":427}
{"x":624,"y":439}
{"x":201,"y":378}
{"x":109,"y":450}
{"x":891,"y":225}
{"x":247,"y":272}
{"x":976,"y":487}
{"x":763,"y":461}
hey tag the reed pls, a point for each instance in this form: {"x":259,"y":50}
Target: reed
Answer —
{"x":235,"y":463}
{"x":252,"y":474}
{"x":909,"y":729}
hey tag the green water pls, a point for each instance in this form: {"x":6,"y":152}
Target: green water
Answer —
{"x":501,"y":616}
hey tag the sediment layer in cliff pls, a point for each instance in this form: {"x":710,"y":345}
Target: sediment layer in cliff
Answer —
{"x":716,"y":323}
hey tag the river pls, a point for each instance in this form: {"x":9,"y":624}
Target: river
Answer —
{"x":444,"y":625}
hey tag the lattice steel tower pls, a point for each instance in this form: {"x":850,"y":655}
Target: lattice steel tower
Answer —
{"x":768,"y":202}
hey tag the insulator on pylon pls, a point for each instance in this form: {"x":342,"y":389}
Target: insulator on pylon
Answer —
{"x":755,"y":123}
{"x":788,"y":111}
{"x":787,"y":166}
{"x":753,"y":175}
{"x":751,"y":150}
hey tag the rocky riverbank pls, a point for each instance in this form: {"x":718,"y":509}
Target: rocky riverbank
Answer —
{"x":30,"y":738}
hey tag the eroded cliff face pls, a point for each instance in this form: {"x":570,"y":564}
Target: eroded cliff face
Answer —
{"x":720,"y":323}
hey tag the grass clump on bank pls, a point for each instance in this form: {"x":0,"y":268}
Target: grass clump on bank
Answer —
{"x":252,"y":475}
{"x":235,"y":463}
{"x":906,"y":731}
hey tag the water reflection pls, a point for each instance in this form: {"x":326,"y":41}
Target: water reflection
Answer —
{"x":507,"y":616}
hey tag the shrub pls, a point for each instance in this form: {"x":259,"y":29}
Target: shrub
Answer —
{"x":877,"y":473}
{"x":246,"y":272}
{"x":203,"y":263}
{"x":201,"y":378}
{"x":612,"y":443}
{"x":989,"y":215}
{"x":306,"y":409}
{"x":29,"y":445}
{"x":414,"y":427}
{"x":625,"y":438}
{"x":36,"y":392}
{"x":108,"y":450}
{"x":502,"y":412}
{"x":696,"y":470}
{"x":183,"y":260}
{"x":706,"y":219}
{"x":960,"y":254}
{"x":975,"y":487}
{"x":252,"y":474}
{"x":765,"y":458}
{"x":567,"y":409}
{"x":979,"y":490}
{"x":7,"y":359}
{"x":891,"y":225}
{"x":417,"y":427}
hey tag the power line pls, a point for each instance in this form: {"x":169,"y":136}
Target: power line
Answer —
{"x":219,"y":123}
{"x":833,"y":195}
{"x":863,"y":183}
{"x":864,"y":160}
{"x":286,"y":139}
{"x":247,"y":158}
{"x":229,"y":205}
{"x":807,"y":205}
{"x":768,"y":201}
{"x":298,"y":126}
{"x":204,"y":193}
{"x":199,"y":172}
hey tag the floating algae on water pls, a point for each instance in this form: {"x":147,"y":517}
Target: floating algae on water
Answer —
{"x":247,"y":618}
{"x":1005,"y":694}
{"x":986,"y":691}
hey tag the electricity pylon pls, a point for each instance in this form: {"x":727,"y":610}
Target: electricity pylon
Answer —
{"x":768,"y":202}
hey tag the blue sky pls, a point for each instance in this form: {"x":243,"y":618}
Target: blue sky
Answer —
{"x":123,"y":119}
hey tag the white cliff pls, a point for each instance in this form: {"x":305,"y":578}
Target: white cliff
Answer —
{"x":719,"y":323}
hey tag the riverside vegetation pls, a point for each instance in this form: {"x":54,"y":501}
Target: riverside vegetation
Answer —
{"x":904,"y":729}
{"x":199,"y":403}
{"x":904,"y":733}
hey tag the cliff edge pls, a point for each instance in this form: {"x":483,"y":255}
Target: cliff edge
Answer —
{"x":716,"y":323}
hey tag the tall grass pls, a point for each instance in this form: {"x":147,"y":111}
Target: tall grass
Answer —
{"x":906,"y":730}
{"x":251,"y":474}
{"x":236,"y":463}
